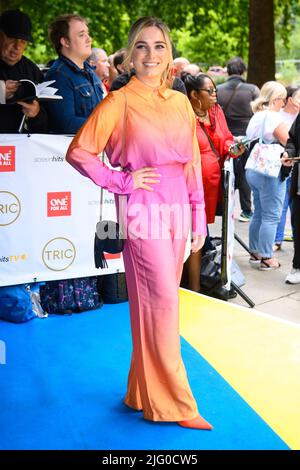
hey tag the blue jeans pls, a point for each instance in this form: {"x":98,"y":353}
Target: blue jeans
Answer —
{"x":286,"y":204}
{"x":268,"y":195}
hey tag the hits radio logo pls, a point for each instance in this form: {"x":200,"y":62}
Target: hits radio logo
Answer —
{"x":7,"y":158}
{"x":59,"y":204}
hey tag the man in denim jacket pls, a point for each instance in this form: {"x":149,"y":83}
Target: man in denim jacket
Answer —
{"x":75,"y":78}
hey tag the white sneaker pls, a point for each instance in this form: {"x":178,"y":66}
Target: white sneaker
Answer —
{"x":293,"y":277}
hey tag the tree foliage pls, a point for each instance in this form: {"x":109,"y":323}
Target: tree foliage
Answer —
{"x":214,"y":32}
{"x":207,"y":31}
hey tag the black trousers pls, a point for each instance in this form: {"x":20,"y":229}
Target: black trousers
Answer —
{"x":241,"y":183}
{"x":296,"y":230}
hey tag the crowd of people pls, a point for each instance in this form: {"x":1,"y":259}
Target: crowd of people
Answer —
{"x":180,"y":128}
{"x":85,"y":75}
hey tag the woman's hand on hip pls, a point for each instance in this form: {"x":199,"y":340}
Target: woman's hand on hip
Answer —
{"x":144,"y":176}
{"x":197,"y":242}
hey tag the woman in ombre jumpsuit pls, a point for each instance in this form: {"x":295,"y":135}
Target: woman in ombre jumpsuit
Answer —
{"x":161,"y":178}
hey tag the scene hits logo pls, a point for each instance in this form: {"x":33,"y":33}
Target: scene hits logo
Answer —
{"x":59,"y":204}
{"x":7,"y":158}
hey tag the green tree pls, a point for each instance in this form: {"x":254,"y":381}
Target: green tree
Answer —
{"x":207,"y":31}
{"x":215,"y":32}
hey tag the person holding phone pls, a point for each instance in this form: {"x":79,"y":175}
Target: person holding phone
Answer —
{"x":289,"y":114}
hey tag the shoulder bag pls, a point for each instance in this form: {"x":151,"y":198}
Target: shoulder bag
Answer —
{"x":265,"y":158}
{"x":210,"y":142}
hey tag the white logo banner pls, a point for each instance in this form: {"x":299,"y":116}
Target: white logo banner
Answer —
{"x":48,"y":213}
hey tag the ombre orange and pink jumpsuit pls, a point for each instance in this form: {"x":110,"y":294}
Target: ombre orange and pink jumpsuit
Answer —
{"x":160,"y":133}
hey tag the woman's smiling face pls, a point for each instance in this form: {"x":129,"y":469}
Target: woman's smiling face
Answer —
{"x":150,"y":55}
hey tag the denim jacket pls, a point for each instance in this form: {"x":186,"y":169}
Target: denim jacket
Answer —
{"x":81,"y":91}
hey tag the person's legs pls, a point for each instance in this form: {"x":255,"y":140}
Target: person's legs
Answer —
{"x":163,"y":387}
{"x":255,"y":222}
{"x":243,"y":187}
{"x":245,"y":193}
{"x":193,"y":265}
{"x":271,"y":193}
{"x":245,"y":199}
{"x":296,"y":231}
{"x":194,"y":268}
{"x":280,"y":227}
{"x":294,"y":276}
{"x":157,"y":381}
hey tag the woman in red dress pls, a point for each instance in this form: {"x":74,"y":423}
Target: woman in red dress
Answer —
{"x":215,"y":142}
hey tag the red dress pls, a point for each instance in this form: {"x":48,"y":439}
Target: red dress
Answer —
{"x":211,"y":166}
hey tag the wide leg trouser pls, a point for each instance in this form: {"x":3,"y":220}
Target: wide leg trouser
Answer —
{"x":157,"y":382}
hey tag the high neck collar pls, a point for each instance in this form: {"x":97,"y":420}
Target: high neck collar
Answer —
{"x":146,"y":91}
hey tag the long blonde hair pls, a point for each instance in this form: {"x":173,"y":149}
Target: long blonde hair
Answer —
{"x":269,"y":92}
{"x":133,"y":36}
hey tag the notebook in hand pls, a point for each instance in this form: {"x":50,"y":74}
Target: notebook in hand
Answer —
{"x":29,"y":91}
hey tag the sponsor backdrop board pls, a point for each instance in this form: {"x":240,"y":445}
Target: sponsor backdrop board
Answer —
{"x":48,"y":213}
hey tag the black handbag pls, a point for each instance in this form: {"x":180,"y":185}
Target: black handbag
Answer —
{"x":108,"y":236}
{"x":108,"y":239}
{"x":210,"y":274}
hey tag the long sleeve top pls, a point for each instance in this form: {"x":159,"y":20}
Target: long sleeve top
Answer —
{"x":160,"y":130}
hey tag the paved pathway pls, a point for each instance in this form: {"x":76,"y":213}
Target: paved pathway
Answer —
{"x":267,"y":289}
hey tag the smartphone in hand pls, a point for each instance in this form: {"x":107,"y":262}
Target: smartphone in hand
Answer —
{"x":235,"y":148}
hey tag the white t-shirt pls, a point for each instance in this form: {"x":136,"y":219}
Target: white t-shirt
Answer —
{"x":264,"y":121}
{"x":288,"y":118}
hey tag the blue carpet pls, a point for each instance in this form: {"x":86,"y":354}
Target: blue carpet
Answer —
{"x":64,"y":380}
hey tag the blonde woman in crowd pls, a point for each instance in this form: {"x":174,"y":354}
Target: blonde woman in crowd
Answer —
{"x":268,"y":193}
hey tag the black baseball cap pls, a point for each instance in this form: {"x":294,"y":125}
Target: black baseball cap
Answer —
{"x":16,"y":24}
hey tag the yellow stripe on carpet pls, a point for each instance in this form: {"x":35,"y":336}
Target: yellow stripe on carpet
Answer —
{"x":258,"y":355}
